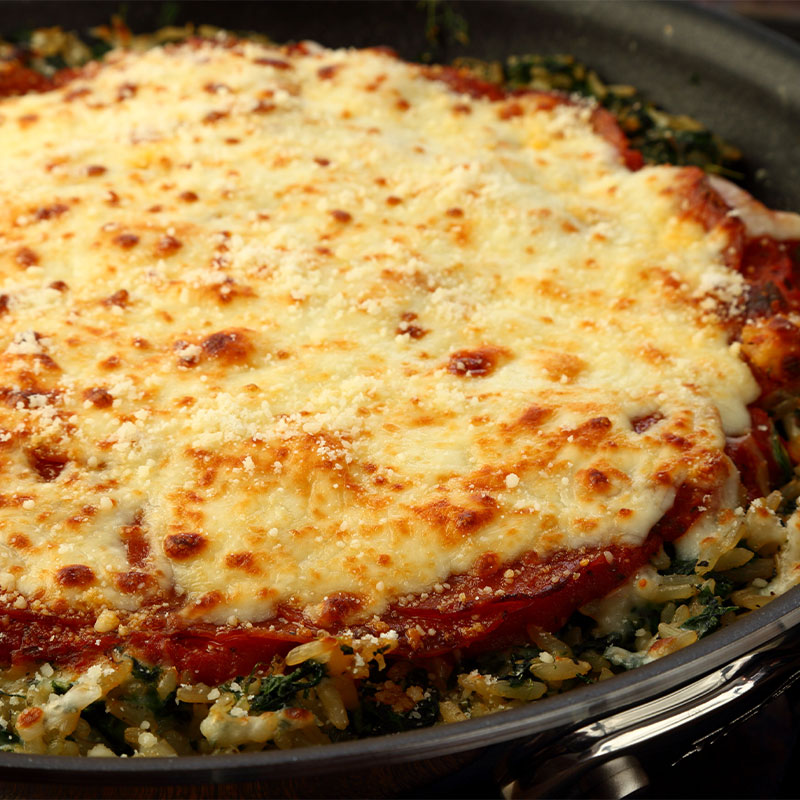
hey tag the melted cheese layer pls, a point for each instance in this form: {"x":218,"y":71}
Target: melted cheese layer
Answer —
{"x":278,"y":326}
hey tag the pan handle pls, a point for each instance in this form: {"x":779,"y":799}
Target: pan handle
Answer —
{"x":601,"y":756}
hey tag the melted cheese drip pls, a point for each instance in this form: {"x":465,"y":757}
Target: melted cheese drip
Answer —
{"x":279,"y":326}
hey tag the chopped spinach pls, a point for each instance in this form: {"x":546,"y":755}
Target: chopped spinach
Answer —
{"x":781,"y":456}
{"x":108,"y":728}
{"x":144,"y":673}
{"x":278,"y":691}
{"x":682,"y":566}
{"x":512,"y":665}
{"x":709,"y":617}
{"x":375,"y":718}
{"x":60,"y":687}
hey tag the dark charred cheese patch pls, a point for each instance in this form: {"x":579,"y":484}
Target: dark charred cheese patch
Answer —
{"x":644,"y":423}
{"x":75,"y":576}
{"x":181,"y":546}
{"x":47,"y":463}
{"x":477,"y":363}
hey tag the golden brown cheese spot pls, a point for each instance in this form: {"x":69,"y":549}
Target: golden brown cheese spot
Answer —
{"x":4,"y":301}
{"x":535,"y":416}
{"x":328,"y":71}
{"x":341,"y":216}
{"x":188,"y":197}
{"x":244,"y":561}
{"x":263,"y":107}
{"x":167,"y":245}
{"x":208,"y":601}
{"x":26,"y":120}
{"x":75,"y":576}
{"x":408,"y":327}
{"x":126,"y":90}
{"x":214,"y":116}
{"x":601,"y":479}
{"x":276,"y":63}
{"x":98,"y":397}
{"x":510,"y":110}
{"x":46,"y":463}
{"x":19,"y":540}
{"x":454,"y":212}
{"x":119,"y":298}
{"x":678,"y":442}
{"x":562,"y":367}
{"x":181,"y":546}
{"x":476,"y":363}
{"x":592,"y":432}
{"x":126,"y":240}
{"x":459,"y":520}
{"x":110,"y":363}
{"x":214,"y":87}
{"x":231,"y":347}
{"x":59,"y":286}
{"x":94,"y":170}
{"x":26,"y":257}
{"x":51,"y":211}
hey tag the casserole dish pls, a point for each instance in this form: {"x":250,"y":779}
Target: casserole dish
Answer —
{"x":585,"y":21}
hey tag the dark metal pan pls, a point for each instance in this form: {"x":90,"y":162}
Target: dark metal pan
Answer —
{"x":744,"y":83}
